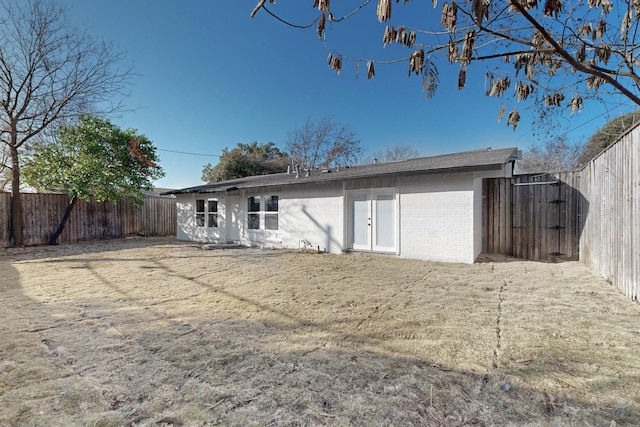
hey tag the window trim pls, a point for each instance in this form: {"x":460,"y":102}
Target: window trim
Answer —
{"x":265,"y":210}
{"x":270,"y":213}
{"x":200,"y":212}
{"x":212,"y":213}
{"x":203,"y":217}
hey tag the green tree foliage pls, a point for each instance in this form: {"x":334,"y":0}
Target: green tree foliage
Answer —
{"x":607,"y":135}
{"x":246,"y":160}
{"x":50,"y":72}
{"x":94,"y":158}
{"x":324,"y":143}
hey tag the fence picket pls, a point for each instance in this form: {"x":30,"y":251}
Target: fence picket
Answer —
{"x":89,"y":220}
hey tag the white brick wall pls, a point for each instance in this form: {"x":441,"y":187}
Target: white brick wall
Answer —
{"x":437,"y":218}
{"x":315,"y":215}
{"x":440,"y":218}
{"x":186,"y":227}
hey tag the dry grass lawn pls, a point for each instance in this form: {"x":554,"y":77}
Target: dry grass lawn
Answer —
{"x":157,"y":332}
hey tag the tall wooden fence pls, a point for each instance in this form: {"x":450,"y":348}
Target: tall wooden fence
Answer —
{"x":534,"y":216}
{"x":89,"y":220}
{"x":592,"y":215}
{"x":610,"y":242}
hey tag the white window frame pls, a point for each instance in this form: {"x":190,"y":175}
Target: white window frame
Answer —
{"x":271,"y":214}
{"x":212,"y":213}
{"x":265,"y":215}
{"x":203,"y":216}
{"x":252,"y":213}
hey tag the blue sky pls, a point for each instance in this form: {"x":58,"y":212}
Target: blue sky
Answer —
{"x":208,"y":77}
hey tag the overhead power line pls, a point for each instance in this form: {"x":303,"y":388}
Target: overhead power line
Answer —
{"x":191,"y":154}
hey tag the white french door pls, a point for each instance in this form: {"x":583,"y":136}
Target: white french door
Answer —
{"x":372,"y":220}
{"x":361,"y":222}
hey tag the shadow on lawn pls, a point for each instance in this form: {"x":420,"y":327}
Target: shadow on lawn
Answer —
{"x":123,"y":360}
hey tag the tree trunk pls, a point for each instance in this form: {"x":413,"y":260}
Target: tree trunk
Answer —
{"x":54,"y":237}
{"x":16,"y":233}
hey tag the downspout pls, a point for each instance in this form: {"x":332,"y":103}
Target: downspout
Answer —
{"x":399,"y":230}
{"x":345,"y":221}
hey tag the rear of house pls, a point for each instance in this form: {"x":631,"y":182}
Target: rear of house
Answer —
{"x":428,"y":208}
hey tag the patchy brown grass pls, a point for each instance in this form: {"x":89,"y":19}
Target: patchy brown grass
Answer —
{"x":156,"y":332}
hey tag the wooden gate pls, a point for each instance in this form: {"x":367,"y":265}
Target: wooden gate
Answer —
{"x":534,"y":217}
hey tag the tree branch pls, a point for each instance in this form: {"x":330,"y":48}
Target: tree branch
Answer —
{"x":257,"y":8}
{"x":581,"y":66}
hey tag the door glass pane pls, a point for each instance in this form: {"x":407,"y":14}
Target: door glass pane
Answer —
{"x":360,"y":220}
{"x":384,"y":221}
{"x":213,"y":220}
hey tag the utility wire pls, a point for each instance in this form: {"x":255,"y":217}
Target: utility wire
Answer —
{"x":331,"y":18}
{"x":565,"y":133}
{"x":191,"y":154}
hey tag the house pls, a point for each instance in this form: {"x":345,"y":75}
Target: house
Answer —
{"x":427,"y":208}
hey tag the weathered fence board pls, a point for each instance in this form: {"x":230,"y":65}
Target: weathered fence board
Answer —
{"x":592,"y":215}
{"x":5,"y":213}
{"x":610,"y":242}
{"x":88,"y":220}
{"x":532,"y":217}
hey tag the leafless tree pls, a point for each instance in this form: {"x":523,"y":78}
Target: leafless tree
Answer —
{"x":49,"y":71}
{"x":323,"y":144}
{"x":395,"y":153}
{"x":555,"y":53}
{"x":556,"y":155}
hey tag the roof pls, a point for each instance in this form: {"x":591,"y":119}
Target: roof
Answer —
{"x":157,"y":192}
{"x":486,"y":159}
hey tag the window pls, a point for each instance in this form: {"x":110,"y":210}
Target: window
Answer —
{"x":208,"y":211}
{"x":266,"y":206}
{"x":212,"y":209}
{"x":253,"y":217}
{"x":271,"y":213}
{"x":200,"y":213}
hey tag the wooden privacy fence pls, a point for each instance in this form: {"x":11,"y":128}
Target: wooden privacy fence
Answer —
{"x":534,"y":217}
{"x":610,"y":242}
{"x":89,"y":220}
{"x":592,"y":215}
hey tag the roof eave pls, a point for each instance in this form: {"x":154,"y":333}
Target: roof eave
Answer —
{"x":311,"y":180}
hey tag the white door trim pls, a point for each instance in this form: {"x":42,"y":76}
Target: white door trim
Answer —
{"x":374,"y":225}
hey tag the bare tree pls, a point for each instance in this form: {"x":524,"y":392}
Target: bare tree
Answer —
{"x":395,"y":153}
{"x":49,"y":72}
{"x":555,"y":53}
{"x":323,"y":144}
{"x":556,"y":155}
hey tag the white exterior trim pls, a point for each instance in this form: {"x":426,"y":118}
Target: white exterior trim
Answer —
{"x":436,"y":216}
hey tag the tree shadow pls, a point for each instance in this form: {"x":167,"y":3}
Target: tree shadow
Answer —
{"x":119,"y":357}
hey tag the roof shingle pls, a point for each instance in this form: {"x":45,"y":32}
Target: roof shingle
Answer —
{"x":486,"y":159}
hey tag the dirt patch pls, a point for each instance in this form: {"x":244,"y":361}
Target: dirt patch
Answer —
{"x":157,"y":332}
